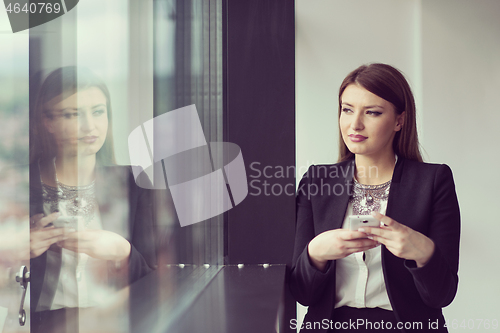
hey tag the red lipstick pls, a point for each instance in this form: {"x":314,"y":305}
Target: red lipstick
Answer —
{"x":357,"y":138}
{"x":88,"y":139}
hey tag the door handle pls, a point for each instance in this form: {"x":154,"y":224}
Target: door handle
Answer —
{"x":23,"y":277}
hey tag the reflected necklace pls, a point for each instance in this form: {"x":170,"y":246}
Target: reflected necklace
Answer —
{"x":366,"y":198}
{"x":76,"y":200}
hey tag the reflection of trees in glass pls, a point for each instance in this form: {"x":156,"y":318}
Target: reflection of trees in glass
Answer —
{"x":14,"y":182}
{"x":14,"y":137}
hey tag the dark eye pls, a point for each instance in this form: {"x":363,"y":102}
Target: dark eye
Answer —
{"x":70,"y":115}
{"x":346,"y":110}
{"x":374,"y":113}
{"x":99,"y":112}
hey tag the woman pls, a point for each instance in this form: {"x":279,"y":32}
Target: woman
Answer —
{"x":401,"y":273}
{"x":91,"y":226}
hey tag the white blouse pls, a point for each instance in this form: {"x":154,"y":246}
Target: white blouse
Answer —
{"x":80,"y":282}
{"x":360,"y":283}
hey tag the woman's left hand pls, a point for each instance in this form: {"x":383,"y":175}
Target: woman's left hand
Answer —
{"x":99,"y":244}
{"x":402,"y":241}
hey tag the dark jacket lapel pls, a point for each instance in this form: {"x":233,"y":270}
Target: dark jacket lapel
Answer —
{"x":339,"y":182}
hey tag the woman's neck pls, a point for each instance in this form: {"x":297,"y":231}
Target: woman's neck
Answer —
{"x":375,"y":170}
{"x":75,"y":170}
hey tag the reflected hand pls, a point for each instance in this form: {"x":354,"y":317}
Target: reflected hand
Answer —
{"x":99,"y":244}
{"x":41,"y":236}
{"x":337,"y":244}
{"x":402,"y":241}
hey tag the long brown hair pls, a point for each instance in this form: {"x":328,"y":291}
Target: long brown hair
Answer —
{"x":64,"y":82}
{"x":390,"y":84}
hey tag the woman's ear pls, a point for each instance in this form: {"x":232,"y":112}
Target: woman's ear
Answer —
{"x":400,"y":120}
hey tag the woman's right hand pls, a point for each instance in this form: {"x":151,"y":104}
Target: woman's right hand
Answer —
{"x":337,"y":244}
{"x":42,"y":237}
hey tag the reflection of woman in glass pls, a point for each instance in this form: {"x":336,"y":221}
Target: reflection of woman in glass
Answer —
{"x":403,"y":270}
{"x":75,"y":255}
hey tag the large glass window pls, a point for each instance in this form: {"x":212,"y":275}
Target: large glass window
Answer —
{"x":116,"y":250}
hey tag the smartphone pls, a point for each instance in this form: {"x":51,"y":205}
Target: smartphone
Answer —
{"x":360,"y":221}
{"x":72,"y":222}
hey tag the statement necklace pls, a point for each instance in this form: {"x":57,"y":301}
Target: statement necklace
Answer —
{"x":366,"y":198}
{"x":75,"y":200}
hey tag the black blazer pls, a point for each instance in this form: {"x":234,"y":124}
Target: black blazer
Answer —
{"x":140,"y":231}
{"x":422,"y":196}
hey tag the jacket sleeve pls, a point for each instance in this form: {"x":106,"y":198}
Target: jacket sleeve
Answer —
{"x":437,"y":281}
{"x":142,"y":258}
{"x":307,"y":283}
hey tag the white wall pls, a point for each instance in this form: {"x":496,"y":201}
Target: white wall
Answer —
{"x":333,"y":38}
{"x":450,"y":52}
{"x":461,"y":81}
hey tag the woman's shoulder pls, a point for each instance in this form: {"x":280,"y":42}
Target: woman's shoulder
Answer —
{"x":334,"y":165}
{"x":115,"y":171}
{"x":328,"y":170}
{"x":412,"y":169}
{"x":321,"y":174}
{"x":425,"y":166}
{"x":126,"y":174}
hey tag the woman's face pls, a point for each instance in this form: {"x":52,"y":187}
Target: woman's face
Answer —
{"x":79,"y":123}
{"x":367,"y":122}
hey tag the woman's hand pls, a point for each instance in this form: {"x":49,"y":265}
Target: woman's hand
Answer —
{"x":42,"y":237}
{"x":99,"y":244}
{"x":402,"y":241}
{"x":337,"y":244}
